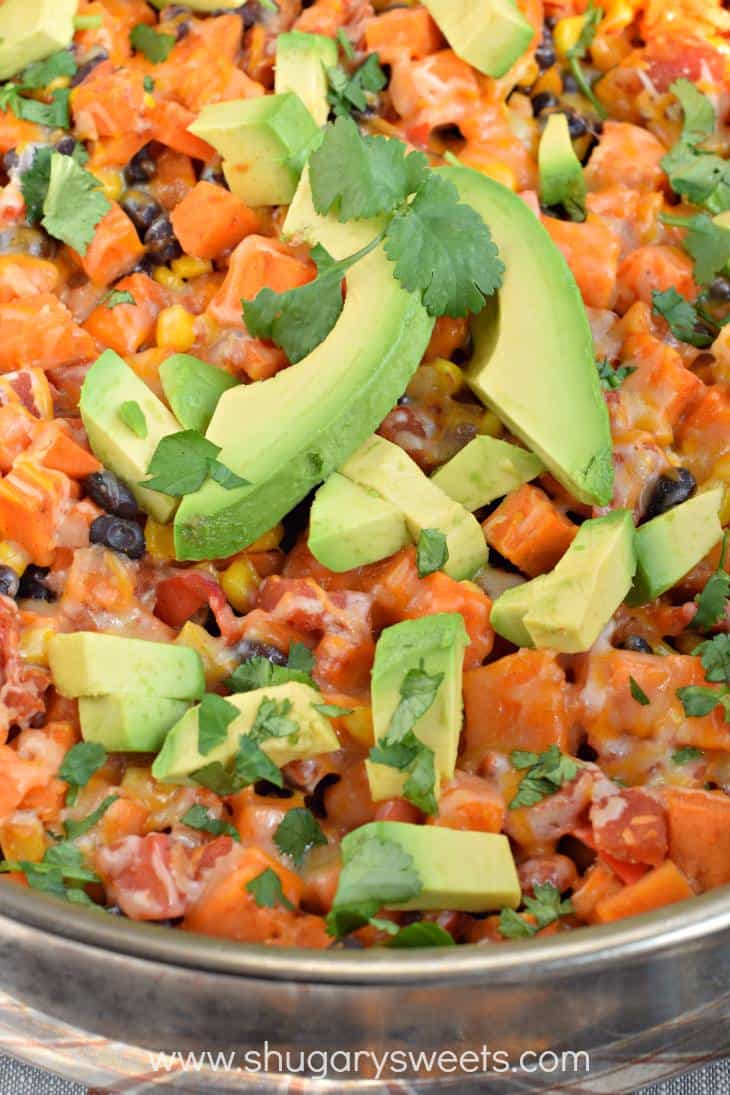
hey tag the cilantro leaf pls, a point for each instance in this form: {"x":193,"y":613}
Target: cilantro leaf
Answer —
{"x":75,"y":829}
{"x":260,"y":673}
{"x":522,"y":759}
{"x":345,"y":44}
{"x":347,"y":93}
{"x":214,"y":717}
{"x":417,"y":693}
{"x":41,"y":73}
{"x":514,"y":926}
{"x":715,"y":657}
{"x":611,"y":378}
{"x":54,"y":114}
{"x":249,"y":765}
{"x":74,"y":204}
{"x":682,"y":317}
{"x":197,"y":817}
{"x":35,"y":181}
{"x":271,"y":721}
{"x":183,"y":461}
{"x":443,"y":249}
{"x":79,"y":765}
{"x":432,"y":553}
{"x":61,"y":863}
{"x":698,"y":701}
{"x":546,"y":906}
{"x":332,"y":710}
{"x":154,"y":45}
{"x":297,"y":833}
{"x":712,"y":601}
{"x":410,"y":755}
{"x":424,"y":933}
{"x":266,"y":890}
{"x":118,"y":296}
{"x":301,"y":657}
{"x":356,"y":177}
{"x":544,"y":777}
{"x":375,"y":872}
{"x":686,"y":754}
{"x":133,"y":417}
{"x":707,"y":242}
{"x":638,"y":693}
{"x":699,"y":113}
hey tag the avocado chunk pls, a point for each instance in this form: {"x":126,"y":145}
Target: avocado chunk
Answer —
{"x":533,"y":361}
{"x":91,"y":663}
{"x":31,"y":30}
{"x":128,"y":724}
{"x":350,"y":526}
{"x":485,"y":469}
{"x":193,"y":388}
{"x":203,"y":5}
{"x":302,"y":61}
{"x":262,"y":142}
{"x":490,"y":34}
{"x":180,"y":756}
{"x":461,"y":870}
{"x":435,"y":644}
{"x":567,"y":609}
{"x":381,"y":466}
{"x":669,"y":546}
{"x":304,"y":422}
{"x":561,"y":172}
{"x":108,"y":384}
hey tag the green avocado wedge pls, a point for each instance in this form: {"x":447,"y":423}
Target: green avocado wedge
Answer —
{"x":533,"y":361}
{"x":287,"y":434}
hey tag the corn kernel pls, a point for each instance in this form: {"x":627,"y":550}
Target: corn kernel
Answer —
{"x":58,"y":84}
{"x":176,"y":328}
{"x":359,"y":725}
{"x":218,"y":661}
{"x":111,"y":181}
{"x":164,"y":276}
{"x":239,"y":583}
{"x":490,"y":425}
{"x":450,"y":375}
{"x":160,"y":540}
{"x":269,"y":540}
{"x":566,"y":34}
{"x":189,"y":267}
{"x":149,"y":101}
{"x":14,"y":556}
{"x":33,"y":645}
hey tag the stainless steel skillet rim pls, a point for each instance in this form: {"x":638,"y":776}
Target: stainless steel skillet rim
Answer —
{"x":682,"y":925}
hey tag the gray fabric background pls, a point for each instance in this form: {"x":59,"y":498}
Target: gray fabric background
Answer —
{"x":17,"y":1079}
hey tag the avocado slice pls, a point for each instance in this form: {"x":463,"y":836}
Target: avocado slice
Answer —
{"x":350,"y":526}
{"x":180,"y":756}
{"x":461,"y":870}
{"x":91,"y":663}
{"x":262,"y":142}
{"x":193,"y":388}
{"x":381,"y":466}
{"x":561,"y":173}
{"x":669,"y":546}
{"x":129,"y":724}
{"x":567,"y":609}
{"x":436,"y":644}
{"x":490,"y":34}
{"x":533,"y":361}
{"x":108,"y":384}
{"x":304,"y":422}
{"x":302,"y":61}
{"x":31,"y":30}
{"x":485,"y":469}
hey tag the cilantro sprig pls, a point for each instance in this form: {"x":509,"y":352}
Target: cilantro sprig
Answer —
{"x":546,"y":907}
{"x":578,"y":52}
{"x":259,"y":672}
{"x":61,"y":872}
{"x":183,"y":461}
{"x":376,"y":872}
{"x":699,"y":177}
{"x":440,"y":248}
{"x":298,"y":832}
{"x":75,"y":829}
{"x":684,"y":318}
{"x":348,"y":93}
{"x":545,"y":773}
{"x":699,"y":700}
{"x":713,"y":600}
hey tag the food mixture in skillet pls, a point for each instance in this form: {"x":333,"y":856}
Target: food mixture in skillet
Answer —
{"x":365,"y":457}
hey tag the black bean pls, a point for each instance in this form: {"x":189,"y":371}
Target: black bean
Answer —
{"x":569,"y":82}
{"x":111,"y":494}
{"x":271,"y":790}
{"x":669,"y":491}
{"x":142,"y":210}
{"x":118,"y":534}
{"x":719,"y":289}
{"x":544,"y":101}
{"x":162,"y":245}
{"x":66,"y":146}
{"x":349,"y":943}
{"x":577,"y":126}
{"x":88,"y":67}
{"x":33,"y":585}
{"x":182,"y":30}
{"x":315,"y":802}
{"x":636,"y":643}
{"x":252,"y":648}
{"x":141,"y":168}
{"x":212,"y":174}
{"x":9,"y":582}
{"x":545,"y":52}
